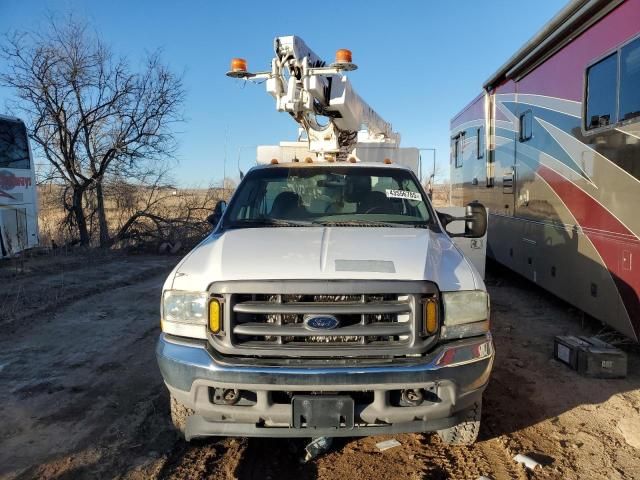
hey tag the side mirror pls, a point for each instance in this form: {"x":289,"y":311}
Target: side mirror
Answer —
{"x":475,"y":221}
{"x":218,"y":210}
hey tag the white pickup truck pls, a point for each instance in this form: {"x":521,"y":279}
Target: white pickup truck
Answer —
{"x":329,"y":300}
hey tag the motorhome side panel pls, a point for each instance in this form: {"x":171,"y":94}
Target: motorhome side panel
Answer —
{"x":490,"y":178}
{"x":469,"y":154}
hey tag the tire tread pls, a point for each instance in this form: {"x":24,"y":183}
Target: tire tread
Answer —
{"x":466,"y":432}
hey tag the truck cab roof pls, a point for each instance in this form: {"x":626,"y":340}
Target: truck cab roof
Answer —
{"x":326,"y":164}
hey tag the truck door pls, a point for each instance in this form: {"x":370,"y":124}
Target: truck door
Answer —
{"x":475,"y":249}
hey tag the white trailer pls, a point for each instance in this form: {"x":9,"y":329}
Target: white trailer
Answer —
{"x":18,"y":197}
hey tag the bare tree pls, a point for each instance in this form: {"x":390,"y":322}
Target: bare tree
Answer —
{"x":89,"y":113}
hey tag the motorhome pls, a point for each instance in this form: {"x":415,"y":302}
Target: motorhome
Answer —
{"x":552,"y":147}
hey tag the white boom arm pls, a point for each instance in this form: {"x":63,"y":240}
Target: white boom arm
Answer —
{"x":320,"y":98}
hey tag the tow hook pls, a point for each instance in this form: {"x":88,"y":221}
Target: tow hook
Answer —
{"x":411,"y":397}
{"x":230,"y":396}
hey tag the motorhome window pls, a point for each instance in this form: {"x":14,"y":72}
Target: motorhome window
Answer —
{"x":602,"y":80}
{"x":14,"y":149}
{"x":630,"y":80}
{"x":320,"y":195}
{"x":454,"y":151}
{"x":480,"y":142}
{"x":526,"y":126}
{"x":459,"y":141}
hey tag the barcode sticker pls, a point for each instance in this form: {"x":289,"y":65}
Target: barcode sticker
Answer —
{"x":403,"y":194}
{"x":564,"y":353}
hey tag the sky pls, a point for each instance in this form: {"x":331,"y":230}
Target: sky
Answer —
{"x":419,"y":62}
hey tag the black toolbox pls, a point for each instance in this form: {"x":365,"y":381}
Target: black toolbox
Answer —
{"x":590,"y":356}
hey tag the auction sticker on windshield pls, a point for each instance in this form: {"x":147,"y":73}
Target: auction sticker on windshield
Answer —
{"x":403,"y":194}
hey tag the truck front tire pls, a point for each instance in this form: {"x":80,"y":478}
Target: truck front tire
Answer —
{"x":179,"y":414}
{"x":466,"y":432}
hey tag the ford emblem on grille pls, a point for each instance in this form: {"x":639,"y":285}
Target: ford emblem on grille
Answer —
{"x":321,"y":322}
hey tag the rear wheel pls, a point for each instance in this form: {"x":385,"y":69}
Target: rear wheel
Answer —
{"x":179,"y":414}
{"x":466,"y":432}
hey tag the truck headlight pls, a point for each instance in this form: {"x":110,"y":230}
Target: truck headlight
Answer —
{"x":466,"y":313}
{"x":185,"y":313}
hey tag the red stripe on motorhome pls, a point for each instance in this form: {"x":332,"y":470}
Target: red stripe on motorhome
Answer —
{"x":617,"y":250}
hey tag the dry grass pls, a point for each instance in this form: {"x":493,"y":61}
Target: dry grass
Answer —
{"x":441,"y":195}
{"x":163,"y":214}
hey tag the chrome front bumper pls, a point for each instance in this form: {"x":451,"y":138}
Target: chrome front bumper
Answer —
{"x":456,"y":371}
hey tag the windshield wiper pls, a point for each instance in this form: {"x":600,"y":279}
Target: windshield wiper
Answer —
{"x":361,"y":223}
{"x":421,"y":225}
{"x":269,"y":222}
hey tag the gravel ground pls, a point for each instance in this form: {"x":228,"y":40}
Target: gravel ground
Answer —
{"x":82,"y":396}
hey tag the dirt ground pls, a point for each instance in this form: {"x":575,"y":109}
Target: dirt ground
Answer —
{"x":82,"y":397}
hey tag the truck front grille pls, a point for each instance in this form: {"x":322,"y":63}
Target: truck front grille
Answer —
{"x":363,"y":321}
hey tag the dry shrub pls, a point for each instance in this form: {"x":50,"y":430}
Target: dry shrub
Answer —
{"x":139,"y":216}
{"x":441,"y":195}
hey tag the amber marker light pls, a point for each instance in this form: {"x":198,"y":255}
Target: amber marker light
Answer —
{"x":239,"y":69}
{"x":215,"y":316}
{"x":238,"y":65}
{"x":344,"y":60}
{"x":430,"y":316}
{"x":274,"y":161}
{"x":343,"y":56}
{"x":388,"y":161}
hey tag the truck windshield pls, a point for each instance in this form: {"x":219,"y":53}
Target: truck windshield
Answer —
{"x":340,"y":196}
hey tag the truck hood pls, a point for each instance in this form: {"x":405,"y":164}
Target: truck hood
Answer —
{"x":311,"y":253}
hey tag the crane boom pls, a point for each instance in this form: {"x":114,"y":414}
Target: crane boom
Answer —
{"x":320,"y":98}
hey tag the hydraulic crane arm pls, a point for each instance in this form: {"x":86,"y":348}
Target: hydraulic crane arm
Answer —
{"x":320,"y":98}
